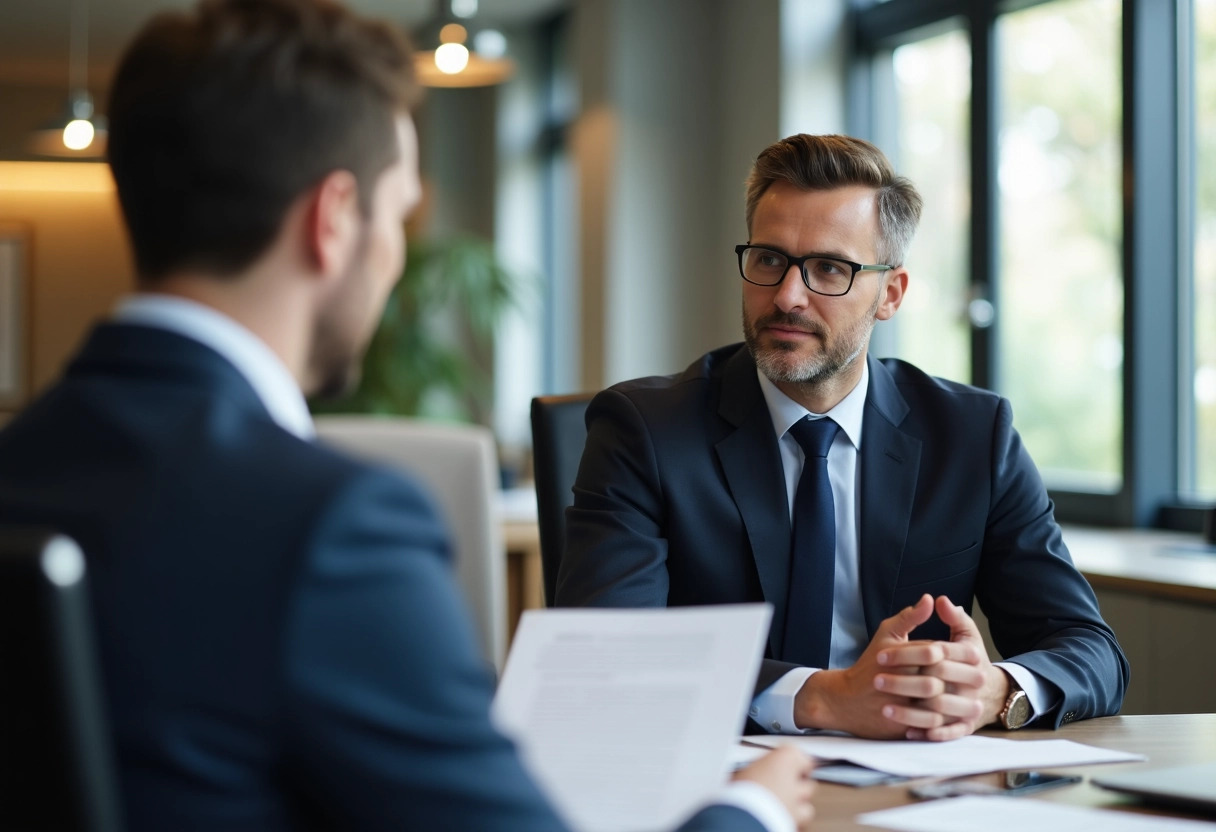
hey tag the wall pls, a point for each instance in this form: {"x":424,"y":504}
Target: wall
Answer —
{"x":79,"y":262}
{"x":676,"y":98}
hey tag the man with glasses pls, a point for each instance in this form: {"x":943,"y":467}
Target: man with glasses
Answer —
{"x":869,"y":503}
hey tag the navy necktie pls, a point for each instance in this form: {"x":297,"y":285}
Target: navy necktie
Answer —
{"x":808,"y":609}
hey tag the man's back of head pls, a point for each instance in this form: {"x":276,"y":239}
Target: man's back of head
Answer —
{"x":223,"y":115}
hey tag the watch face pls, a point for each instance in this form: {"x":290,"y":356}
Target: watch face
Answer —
{"x":1019,"y":711}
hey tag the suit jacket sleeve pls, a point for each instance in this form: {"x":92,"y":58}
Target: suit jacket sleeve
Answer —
{"x":1041,"y":611}
{"x":616,"y":550}
{"x":387,"y":719}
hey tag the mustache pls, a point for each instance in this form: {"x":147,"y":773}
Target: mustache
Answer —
{"x":791,"y":321}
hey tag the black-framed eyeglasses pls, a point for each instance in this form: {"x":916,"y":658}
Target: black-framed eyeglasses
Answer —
{"x":822,"y":274}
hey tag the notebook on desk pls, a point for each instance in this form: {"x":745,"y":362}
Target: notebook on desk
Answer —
{"x":1190,"y":787}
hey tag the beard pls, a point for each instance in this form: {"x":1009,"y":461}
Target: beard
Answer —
{"x":779,"y":360}
{"x":341,"y":334}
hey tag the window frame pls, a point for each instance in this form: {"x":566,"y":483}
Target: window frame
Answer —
{"x":1156,"y":152}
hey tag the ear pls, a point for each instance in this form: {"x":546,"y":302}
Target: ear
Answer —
{"x":332,"y":226}
{"x":893,"y":293}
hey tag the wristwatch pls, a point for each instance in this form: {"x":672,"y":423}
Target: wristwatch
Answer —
{"x":1016,"y":712}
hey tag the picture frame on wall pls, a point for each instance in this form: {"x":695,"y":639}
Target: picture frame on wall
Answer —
{"x":14,"y":318}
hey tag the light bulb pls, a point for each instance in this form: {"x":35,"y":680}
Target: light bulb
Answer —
{"x":79,"y":134}
{"x":451,"y":58}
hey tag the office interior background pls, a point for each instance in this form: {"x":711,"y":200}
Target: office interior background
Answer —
{"x":1066,"y":150}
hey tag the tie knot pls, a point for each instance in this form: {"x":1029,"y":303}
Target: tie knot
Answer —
{"x":814,"y":435}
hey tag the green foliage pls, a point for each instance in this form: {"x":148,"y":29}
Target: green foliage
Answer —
{"x":431,"y":353}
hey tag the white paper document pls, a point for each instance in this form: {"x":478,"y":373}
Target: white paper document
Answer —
{"x":968,"y":755}
{"x":627,"y":718}
{"x":1018,"y":814}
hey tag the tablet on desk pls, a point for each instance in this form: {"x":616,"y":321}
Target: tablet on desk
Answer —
{"x":1189,"y":787}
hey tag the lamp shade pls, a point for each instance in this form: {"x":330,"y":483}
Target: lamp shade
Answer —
{"x":478,"y":72}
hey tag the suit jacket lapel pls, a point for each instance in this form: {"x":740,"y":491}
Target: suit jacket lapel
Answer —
{"x":751,"y":462}
{"x":890,"y":462}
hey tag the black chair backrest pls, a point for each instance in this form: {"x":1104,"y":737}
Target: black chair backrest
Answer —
{"x":56,"y":759}
{"x":558,"y":436}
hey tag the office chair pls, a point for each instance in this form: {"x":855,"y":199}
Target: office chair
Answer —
{"x":458,"y":465}
{"x":558,"y":435}
{"x":57,"y":768}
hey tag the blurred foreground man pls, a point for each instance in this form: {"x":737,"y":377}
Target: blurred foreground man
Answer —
{"x":282,"y":643}
{"x":868,"y":502}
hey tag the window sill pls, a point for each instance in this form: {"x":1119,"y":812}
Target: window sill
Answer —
{"x":1164,"y":564}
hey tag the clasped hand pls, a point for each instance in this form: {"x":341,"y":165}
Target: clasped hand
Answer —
{"x":919,"y":690}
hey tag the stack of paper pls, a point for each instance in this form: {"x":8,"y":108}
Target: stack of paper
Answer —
{"x":957,"y":758}
{"x":627,"y":717}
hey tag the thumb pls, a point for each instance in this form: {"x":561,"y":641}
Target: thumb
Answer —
{"x":962,"y":626}
{"x":908,"y":619}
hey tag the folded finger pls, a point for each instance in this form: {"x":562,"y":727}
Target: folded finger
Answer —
{"x":913,"y":654}
{"x":957,"y":673}
{"x":952,"y":705}
{"x":913,"y":716}
{"x":912,"y":687}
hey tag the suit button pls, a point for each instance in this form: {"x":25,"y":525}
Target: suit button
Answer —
{"x":775,"y":725}
{"x":1070,"y":716}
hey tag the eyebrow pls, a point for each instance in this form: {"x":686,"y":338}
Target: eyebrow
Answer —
{"x":786,"y":254}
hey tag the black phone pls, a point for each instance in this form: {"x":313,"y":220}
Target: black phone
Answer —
{"x":1010,"y":783}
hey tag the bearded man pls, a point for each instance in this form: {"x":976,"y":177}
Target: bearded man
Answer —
{"x":869,"y":503}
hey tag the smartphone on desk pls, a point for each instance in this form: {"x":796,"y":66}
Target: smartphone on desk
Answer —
{"x":1010,"y":783}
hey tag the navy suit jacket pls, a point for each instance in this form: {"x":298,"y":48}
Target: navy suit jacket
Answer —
{"x":680,"y":499}
{"x":282,"y":643}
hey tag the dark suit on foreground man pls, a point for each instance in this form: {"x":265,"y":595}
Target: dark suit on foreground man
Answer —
{"x":282,"y":643}
{"x":686,"y":490}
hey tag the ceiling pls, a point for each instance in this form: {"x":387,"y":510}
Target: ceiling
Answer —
{"x":34,"y":34}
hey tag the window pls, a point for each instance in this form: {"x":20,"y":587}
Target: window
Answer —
{"x":1058,"y":190}
{"x":932,"y":86}
{"x":1202,"y":437}
{"x":1060,"y":340}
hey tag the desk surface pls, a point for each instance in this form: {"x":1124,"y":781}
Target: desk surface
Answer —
{"x":1171,"y":739}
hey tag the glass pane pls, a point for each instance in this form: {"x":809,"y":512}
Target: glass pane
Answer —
{"x":1061,"y":287}
{"x":932,"y":105}
{"x":1204,"y":324}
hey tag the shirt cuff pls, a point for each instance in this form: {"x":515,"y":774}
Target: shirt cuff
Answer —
{"x":773,"y":708}
{"x":758,"y":802}
{"x":1042,"y":697}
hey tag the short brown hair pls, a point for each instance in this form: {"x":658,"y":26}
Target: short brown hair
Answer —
{"x":222,"y":116}
{"x":818,"y":163}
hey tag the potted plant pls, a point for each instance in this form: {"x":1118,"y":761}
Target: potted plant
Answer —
{"x":432,"y":352}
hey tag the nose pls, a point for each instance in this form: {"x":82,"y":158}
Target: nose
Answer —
{"x":792,"y":292}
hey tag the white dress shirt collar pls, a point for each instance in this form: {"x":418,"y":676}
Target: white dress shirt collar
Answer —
{"x":847,"y":413}
{"x":273,"y":383}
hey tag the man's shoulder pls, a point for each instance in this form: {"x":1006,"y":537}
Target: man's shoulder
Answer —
{"x":694,"y":381}
{"x":915,"y":385}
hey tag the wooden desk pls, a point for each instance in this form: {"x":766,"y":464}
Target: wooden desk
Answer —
{"x":525,"y":583}
{"x":1168,"y":739}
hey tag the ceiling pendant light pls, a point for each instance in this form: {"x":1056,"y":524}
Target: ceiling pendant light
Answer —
{"x":78,"y":131}
{"x":453,"y":64}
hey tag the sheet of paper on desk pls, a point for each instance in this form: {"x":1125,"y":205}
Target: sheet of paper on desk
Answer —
{"x":627,"y":717}
{"x":1018,"y":814}
{"x":969,"y":755}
